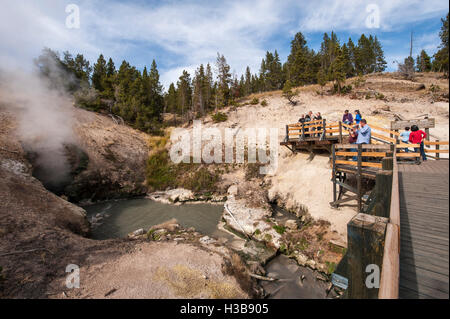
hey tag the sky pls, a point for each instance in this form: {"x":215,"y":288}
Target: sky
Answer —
{"x":183,"y":34}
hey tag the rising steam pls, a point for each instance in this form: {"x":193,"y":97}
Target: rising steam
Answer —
{"x":45,"y":115}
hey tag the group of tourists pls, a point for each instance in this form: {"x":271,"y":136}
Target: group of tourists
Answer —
{"x":360,"y":131}
{"x":412,"y":135}
{"x":309,"y":117}
{"x":347,"y":118}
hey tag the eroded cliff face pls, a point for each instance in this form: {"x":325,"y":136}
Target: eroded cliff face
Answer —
{"x":42,"y":233}
{"x":115,"y":163}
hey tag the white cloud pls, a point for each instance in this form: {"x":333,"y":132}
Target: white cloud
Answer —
{"x":181,"y":35}
{"x":350,"y":15}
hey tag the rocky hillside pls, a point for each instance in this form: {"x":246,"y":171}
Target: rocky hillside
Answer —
{"x":41,"y":233}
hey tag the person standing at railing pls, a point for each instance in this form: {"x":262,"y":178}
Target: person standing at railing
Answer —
{"x":404,"y":136}
{"x":318,"y":117}
{"x":308,"y":118}
{"x":364,"y":134}
{"x":352,"y":137}
{"x":347,"y":118}
{"x":302,"y":119}
{"x":357,"y":117}
{"x":416,"y":137}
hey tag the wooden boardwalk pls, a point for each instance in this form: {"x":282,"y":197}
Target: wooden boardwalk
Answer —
{"x":424,"y":230}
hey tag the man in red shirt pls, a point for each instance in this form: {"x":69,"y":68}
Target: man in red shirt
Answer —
{"x":416,"y":137}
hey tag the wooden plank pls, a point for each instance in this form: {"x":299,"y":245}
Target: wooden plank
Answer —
{"x":408,"y":154}
{"x":425,"y":123}
{"x":365,"y":164}
{"x":390,"y":271}
{"x":403,"y":145}
{"x":364,"y":146}
{"x":384,"y":130}
{"x":435,"y":151}
{"x":389,"y":139}
{"x":435,"y":142}
{"x":372,"y":154}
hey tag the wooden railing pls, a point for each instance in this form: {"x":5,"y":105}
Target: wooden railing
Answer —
{"x":319,"y":129}
{"x":390,"y":270}
{"x":355,"y":159}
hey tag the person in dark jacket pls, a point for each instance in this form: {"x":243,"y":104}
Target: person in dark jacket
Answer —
{"x":347,"y":118}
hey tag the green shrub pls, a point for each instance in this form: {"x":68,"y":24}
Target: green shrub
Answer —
{"x":201,"y":180}
{"x":160,"y":173}
{"x":264,"y":103}
{"x":379,"y":96}
{"x":331,"y":267}
{"x":219,"y":117}
{"x":254,"y":101}
{"x":434,"y":88}
{"x":279,"y":229}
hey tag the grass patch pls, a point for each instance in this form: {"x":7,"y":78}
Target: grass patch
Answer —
{"x":279,"y":229}
{"x":331,"y":267}
{"x":219,"y":117}
{"x":254,"y":101}
{"x":264,"y":103}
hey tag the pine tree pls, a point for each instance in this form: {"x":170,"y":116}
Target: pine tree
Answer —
{"x":423,"y":62}
{"x":298,"y":60}
{"x":288,"y":93}
{"x":99,"y":75}
{"x":199,"y":84}
{"x":380,"y":62}
{"x":248,"y":82}
{"x":441,"y":63}
{"x":223,"y":81}
{"x":321,"y":79}
{"x":209,"y":87}
{"x":110,"y":80}
{"x":184,"y":91}
{"x":348,"y":66}
{"x":338,"y":69}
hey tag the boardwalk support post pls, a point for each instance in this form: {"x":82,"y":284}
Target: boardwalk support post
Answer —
{"x":365,"y":255}
{"x":437,"y":149}
{"x":358,"y":178}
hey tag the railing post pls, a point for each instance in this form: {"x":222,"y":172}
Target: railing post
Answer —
{"x":437,"y":149}
{"x":303,"y":131}
{"x":383,"y":188}
{"x":358,"y":178}
{"x":340,"y":132}
{"x":365,"y":242}
{"x":324,"y":130}
{"x":287,"y":133}
{"x":333,"y":147}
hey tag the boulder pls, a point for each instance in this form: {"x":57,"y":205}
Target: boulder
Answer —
{"x":233,"y":190}
{"x":301,"y":259}
{"x":291,"y":224}
{"x":206,"y":240}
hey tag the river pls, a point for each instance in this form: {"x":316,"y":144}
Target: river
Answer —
{"x":121,"y":217}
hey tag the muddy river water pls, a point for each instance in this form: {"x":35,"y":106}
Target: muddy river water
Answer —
{"x":121,"y":217}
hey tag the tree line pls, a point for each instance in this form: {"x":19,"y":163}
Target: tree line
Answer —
{"x":138,"y":98}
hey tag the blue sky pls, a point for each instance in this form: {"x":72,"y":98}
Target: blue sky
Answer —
{"x":182,"y":34}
